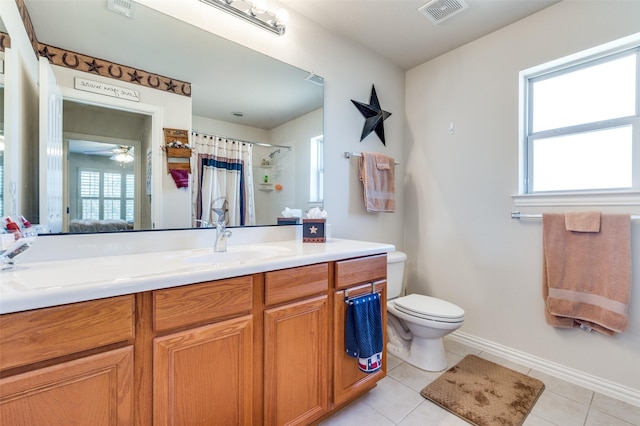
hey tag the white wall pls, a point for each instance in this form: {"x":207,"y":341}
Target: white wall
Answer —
{"x":349,"y":72}
{"x":225,"y":129}
{"x":293,"y":167}
{"x":462,"y":244}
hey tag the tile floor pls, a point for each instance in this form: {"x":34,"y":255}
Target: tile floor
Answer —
{"x":397,"y":400}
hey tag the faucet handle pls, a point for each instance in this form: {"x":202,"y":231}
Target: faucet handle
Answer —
{"x":221,"y":215}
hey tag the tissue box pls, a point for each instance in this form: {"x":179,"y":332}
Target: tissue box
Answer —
{"x":313,"y":230}
{"x":288,"y":221}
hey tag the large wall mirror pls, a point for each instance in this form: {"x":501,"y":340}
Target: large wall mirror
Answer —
{"x":2,"y":121}
{"x":236,"y":93}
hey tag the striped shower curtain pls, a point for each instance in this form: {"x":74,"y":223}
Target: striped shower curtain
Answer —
{"x":223,"y":181}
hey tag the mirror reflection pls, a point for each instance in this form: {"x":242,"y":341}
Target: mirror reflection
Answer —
{"x":2,"y":121}
{"x":2,"y":141}
{"x":237,"y":94}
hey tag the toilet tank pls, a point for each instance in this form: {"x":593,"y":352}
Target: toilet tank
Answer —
{"x":395,"y":273}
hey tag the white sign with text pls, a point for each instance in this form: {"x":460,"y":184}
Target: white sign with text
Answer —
{"x":107,"y":89}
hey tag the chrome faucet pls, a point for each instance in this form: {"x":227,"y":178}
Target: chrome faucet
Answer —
{"x":222,"y":233}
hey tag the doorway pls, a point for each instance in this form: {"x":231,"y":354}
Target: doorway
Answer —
{"x":104,"y":172}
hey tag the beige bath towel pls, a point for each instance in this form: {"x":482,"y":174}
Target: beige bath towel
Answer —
{"x":587,"y":275}
{"x":582,"y":221}
{"x":377,"y":174}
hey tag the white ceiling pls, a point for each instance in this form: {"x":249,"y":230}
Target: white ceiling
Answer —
{"x":398,"y":32}
{"x":394,"y":29}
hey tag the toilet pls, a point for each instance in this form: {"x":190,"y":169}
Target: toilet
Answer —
{"x":416,"y":324}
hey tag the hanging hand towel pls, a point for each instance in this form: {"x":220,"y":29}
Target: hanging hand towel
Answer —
{"x":180,"y":177}
{"x":582,"y":221}
{"x":377,"y":174}
{"x":363,"y":332}
{"x":587,"y":275}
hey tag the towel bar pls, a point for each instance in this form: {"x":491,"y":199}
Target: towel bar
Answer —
{"x":518,"y":215}
{"x":348,"y":154}
{"x":373,"y":290}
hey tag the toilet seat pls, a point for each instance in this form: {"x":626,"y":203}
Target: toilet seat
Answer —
{"x":429,"y":308}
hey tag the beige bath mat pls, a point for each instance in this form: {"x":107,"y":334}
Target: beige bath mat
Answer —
{"x":484,"y":393}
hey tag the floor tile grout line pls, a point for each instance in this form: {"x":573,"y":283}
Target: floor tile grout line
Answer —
{"x":401,"y":383}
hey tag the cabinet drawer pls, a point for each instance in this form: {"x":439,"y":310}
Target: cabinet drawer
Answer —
{"x":361,"y":270}
{"x":192,"y":304}
{"x":42,"y":334}
{"x":295,"y":283}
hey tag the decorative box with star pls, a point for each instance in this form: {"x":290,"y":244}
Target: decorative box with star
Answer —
{"x":313,"y":230}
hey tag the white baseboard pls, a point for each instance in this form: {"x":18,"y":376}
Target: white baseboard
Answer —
{"x":596,"y":384}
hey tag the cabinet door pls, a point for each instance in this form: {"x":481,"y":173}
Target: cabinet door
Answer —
{"x":348,"y":380}
{"x":296,"y":373}
{"x":92,"y":391}
{"x":203,"y":376}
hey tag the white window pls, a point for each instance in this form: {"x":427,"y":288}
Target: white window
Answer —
{"x":317,"y":170}
{"x":106,"y":195}
{"x":581,"y":124}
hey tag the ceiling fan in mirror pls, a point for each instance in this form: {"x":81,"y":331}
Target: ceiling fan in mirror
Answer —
{"x":120,"y":153}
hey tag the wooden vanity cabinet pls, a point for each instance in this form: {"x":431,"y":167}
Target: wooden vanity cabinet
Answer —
{"x":203,"y":368}
{"x":356,"y":277}
{"x":70,"y":364}
{"x":296,"y":345}
{"x":265,"y":349}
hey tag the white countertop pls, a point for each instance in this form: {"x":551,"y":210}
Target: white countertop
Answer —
{"x":32,"y":285}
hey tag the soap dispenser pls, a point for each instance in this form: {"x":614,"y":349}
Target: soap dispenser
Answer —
{"x":13,"y":228}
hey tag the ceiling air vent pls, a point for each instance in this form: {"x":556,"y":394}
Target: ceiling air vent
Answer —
{"x":315,"y":79}
{"x":122,"y":7}
{"x":439,"y":10}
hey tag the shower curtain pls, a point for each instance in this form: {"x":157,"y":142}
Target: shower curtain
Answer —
{"x":223,"y":181}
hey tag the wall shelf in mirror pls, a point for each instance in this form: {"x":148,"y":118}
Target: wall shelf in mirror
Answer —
{"x":177,"y":149}
{"x":266,"y":187}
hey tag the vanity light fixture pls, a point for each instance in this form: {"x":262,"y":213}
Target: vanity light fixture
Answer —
{"x":255,"y":12}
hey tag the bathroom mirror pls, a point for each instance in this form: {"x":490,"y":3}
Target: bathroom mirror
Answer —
{"x":2,"y":209}
{"x":2,"y":123}
{"x":236,"y":92}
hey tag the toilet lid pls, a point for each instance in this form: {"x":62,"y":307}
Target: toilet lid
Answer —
{"x":429,"y":308}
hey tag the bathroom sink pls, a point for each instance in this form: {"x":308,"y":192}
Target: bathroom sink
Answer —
{"x":236,"y":255}
{"x":122,"y":270}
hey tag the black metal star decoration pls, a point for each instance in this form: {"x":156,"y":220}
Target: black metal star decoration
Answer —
{"x":374,"y":116}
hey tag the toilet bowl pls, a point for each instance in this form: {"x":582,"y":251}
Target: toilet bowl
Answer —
{"x":416,"y":324}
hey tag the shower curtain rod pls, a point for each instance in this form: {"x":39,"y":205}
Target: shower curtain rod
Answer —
{"x":270,"y":145}
{"x":518,"y":215}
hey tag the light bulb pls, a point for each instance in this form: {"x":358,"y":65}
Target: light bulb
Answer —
{"x":282,"y":17}
{"x":259,"y":7}
{"x":123,"y":158}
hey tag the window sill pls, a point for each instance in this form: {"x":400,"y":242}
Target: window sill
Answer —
{"x":618,"y":198}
